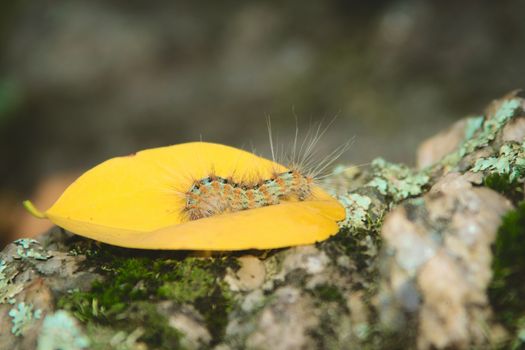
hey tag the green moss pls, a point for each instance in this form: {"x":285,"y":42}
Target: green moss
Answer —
{"x":507,"y":289}
{"x":105,"y":338}
{"x":397,"y":181}
{"x":157,"y":331}
{"x":209,"y":294}
{"x":137,"y":280}
{"x":328,"y":293}
{"x":502,"y":183}
{"x":194,"y":283}
{"x":139,"y":323}
{"x":362,"y":246}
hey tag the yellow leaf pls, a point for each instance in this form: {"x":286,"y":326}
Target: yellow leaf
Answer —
{"x":137,"y":201}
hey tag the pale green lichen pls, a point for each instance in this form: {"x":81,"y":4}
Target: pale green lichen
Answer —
{"x":3,"y":266}
{"x":31,"y":249}
{"x":506,"y":111}
{"x":8,"y":290}
{"x":60,"y":331}
{"x":480,"y":131}
{"x":397,"y":181}
{"x":491,"y":126}
{"x":23,"y":316}
{"x":356,"y":209}
{"x":472,"y":126}
{"x":510,"y":161}
{"x":4,"y":281}
{"x":379,"y":183}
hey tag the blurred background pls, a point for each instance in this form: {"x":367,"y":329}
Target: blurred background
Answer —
{"x":83,"y":81}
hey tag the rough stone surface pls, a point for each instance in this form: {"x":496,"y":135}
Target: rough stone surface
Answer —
{"x":36,"y":282}
{"x":410,"y":268}
{"x":438,"y":146}
{"x":438,"y":265}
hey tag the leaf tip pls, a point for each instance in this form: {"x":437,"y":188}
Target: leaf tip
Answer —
{"x":33,"y":210}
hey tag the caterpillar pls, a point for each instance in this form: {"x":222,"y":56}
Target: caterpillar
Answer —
{"x":213,"y":195}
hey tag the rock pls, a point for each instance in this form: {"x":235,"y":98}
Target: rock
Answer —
{"x":411,"y":268}
{"x":32,"y":281}
{"x":250,"y":275}
{"x":514,"y":131}
{"x":189,"y":322}
{"x":436,"y":147}
{"x":438,"y":263}
{"x":285,"y":322}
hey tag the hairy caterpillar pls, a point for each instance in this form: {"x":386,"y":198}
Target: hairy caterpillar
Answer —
{"x":213,"y":195}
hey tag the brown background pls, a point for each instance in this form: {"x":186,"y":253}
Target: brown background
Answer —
{"x":82,"y":81}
